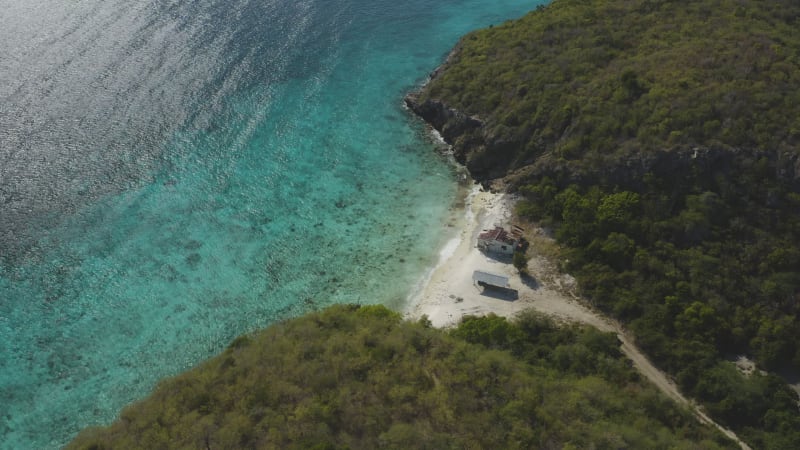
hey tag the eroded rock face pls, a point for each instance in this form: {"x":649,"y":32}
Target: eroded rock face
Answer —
{"x":482,"y":155}
{"x":490,"y":158}
{"x":449,"y":122}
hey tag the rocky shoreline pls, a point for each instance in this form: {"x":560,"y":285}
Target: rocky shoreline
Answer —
{"x":490,"y":157}
{"x":487,"y":158}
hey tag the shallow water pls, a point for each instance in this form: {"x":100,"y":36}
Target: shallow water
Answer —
{"x":173,"y":174}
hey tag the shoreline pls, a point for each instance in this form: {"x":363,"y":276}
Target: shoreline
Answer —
{"x":446,"y":292}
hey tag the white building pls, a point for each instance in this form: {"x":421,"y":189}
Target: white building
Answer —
{"x":498,"y":241}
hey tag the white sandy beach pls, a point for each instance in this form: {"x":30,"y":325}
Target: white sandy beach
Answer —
{"x":449,"y":292}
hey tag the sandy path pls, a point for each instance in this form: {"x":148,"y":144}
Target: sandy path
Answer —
{"x":448,"y":293}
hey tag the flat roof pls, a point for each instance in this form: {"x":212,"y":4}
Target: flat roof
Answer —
{"x":490,"y":279}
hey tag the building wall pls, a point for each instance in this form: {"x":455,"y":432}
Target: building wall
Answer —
{"x":496,"y":247}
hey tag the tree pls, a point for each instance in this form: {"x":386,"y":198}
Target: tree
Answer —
{"x":520,"y":262}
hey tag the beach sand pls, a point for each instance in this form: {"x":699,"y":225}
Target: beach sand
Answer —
{"x":448,"y":293}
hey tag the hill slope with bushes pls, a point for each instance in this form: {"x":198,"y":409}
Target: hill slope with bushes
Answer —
{"x":351,"y":377}
{"x":660,"y":140}
{"x":588,"y":81}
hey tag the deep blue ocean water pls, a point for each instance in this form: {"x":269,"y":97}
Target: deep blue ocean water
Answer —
{"x":176,"y":173}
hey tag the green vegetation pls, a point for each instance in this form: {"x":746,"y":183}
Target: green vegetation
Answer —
{"x":695,"y":282}
{"x":520,"y":262}
{"x":589,"y":79}
{"x":351,"y":377}
{"x":660,"y":139}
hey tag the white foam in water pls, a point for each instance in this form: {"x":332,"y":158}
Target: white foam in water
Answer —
{"x":178,"y":173}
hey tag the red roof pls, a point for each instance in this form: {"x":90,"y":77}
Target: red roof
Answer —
{"x":498,"y":234}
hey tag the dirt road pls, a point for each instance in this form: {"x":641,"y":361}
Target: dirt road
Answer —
{"x":448,"y":293}
{"x":554,"y":298}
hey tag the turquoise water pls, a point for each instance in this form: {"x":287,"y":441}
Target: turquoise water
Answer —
{"x":174,"y":174}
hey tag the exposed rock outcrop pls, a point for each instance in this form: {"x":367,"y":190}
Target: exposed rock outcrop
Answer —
{"x":486,"y":157}
{"x":490,"y":157}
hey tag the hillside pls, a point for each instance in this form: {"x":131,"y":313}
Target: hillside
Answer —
{"x":659,"y":139}
{"x":586,"y":81}
{"x":351,"y":377}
